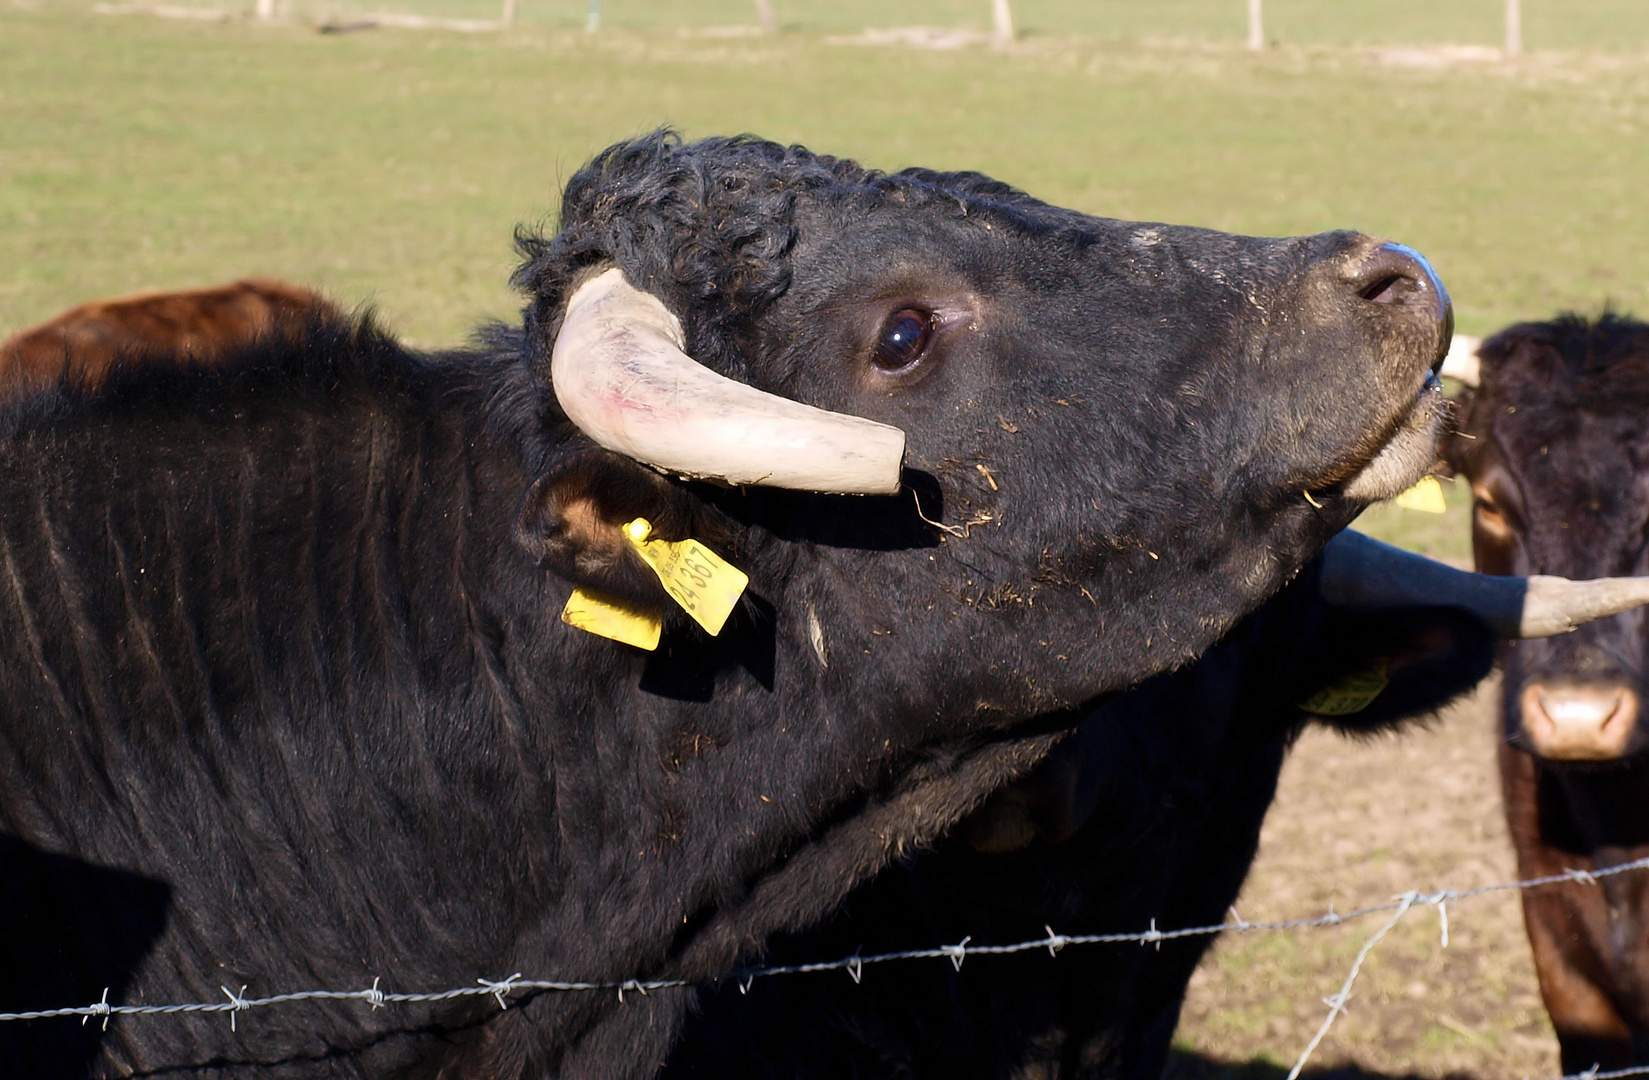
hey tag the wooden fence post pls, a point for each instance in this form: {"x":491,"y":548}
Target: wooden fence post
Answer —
{"x":508,"y":18}
{"x":764,"y":16}
{"x":1514,"y":28}
{"x":1256,"y":27}
{"x":1001,"y":24}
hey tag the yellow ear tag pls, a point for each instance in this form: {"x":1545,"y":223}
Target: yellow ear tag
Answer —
{"x":1351,"y":694}
{"x":613,"y":618}
{"x":705,"y":586}
{"x":1425,"y":496}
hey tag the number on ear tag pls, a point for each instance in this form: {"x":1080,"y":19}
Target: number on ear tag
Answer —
{"x":706,"y":586}
{"x":1425,"y":496}
{"x":1352,"y":694}
{"x":613,"y":618}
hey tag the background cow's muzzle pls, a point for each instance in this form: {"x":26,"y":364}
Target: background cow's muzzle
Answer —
{"x":1580,"y":698}
{"x":1578,"y":721}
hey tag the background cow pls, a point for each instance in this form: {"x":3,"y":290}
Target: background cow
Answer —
{"x":197,"y":326}
{"x":1555,"y":442}
{"x":279,"y":638}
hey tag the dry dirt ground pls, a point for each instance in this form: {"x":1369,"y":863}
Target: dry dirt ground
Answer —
{"x":1354,"y":824}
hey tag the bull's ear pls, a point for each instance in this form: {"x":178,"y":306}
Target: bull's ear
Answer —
{"x":1381,"y":668}
{"x":572,"y":522}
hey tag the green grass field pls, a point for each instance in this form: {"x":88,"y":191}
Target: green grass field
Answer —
{"x":390,"y":167}
{"x":1552,"y":24}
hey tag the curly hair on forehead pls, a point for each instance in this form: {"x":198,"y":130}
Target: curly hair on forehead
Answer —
{"x":709,"y":227}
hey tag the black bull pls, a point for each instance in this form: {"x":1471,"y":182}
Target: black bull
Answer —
{"x":278,"y":645}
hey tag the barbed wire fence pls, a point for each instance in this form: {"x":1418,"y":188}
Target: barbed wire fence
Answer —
{"x":500,"y":990}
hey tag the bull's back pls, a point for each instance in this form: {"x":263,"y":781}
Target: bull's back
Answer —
{"x":236,"y":660}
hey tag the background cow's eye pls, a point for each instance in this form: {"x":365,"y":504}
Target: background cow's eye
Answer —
{"x":1487,"y":513}
{"x":904,"y":340}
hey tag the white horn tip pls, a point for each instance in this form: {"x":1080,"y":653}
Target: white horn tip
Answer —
{"x":1461,"y":362}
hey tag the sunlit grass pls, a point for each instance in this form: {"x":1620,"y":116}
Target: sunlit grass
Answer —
{"x":391,"y":166}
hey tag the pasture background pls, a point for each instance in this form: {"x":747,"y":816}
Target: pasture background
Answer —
{"x":390,"y":167}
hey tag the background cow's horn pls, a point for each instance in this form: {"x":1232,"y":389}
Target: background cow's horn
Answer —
{"x":1361,"y":572}
{"x":1461,"y":362}
{"x":621,"y":376}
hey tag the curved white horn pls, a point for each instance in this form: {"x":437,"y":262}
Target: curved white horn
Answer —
{"x":1361,"y":572}
{"x":1461,"y":362}
{"x":621,"y":376}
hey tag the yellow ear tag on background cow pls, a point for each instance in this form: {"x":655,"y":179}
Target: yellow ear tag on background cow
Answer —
{"x":1351,"y":694}
{"x":1425,"y":496}
{"x":698,"y":579}
{"x":613,"y":618}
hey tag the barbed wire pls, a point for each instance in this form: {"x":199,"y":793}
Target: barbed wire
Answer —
{"x":1594,"y":1073}
{"x":501,"y":989}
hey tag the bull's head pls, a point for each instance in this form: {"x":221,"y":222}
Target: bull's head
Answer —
{"x":1085,"y":446}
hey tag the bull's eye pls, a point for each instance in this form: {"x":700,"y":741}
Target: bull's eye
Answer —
{"x":904,"y":339}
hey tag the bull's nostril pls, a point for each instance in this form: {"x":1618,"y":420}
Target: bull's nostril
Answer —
{"x":1386,"y":290}
{"x":1397,"y":276}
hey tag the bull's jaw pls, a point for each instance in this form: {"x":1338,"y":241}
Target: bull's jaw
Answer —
{"x":1409,"y":453}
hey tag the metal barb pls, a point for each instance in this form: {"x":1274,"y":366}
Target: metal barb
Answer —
{"x":237,"y":1002}
{"x":499,"y":989}
{"x":100,"y":1009}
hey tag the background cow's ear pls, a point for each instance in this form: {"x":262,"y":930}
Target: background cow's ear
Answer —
{"x":1428,"y":656}
{"x":572,"y":521}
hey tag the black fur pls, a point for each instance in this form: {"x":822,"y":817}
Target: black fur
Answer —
{"x":282,"y":638}
{"x":1169,"y":784}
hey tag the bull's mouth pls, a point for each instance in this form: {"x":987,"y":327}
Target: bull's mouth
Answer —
{"x":1408,"y":451}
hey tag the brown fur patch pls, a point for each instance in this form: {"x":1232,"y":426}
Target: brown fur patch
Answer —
{"x":198,"y":326}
